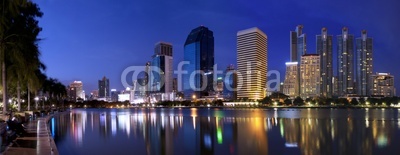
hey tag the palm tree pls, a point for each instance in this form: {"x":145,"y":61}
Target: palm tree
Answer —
{"x":55,"y":90}
{"x":19,"y":30}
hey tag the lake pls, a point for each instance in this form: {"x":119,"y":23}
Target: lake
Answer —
{"x":227,"y":131}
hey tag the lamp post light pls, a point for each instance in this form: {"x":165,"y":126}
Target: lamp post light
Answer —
{"x":194,"y":98}
{"x":36,"y":102}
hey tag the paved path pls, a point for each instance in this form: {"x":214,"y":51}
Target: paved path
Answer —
{"x":38,"y":140}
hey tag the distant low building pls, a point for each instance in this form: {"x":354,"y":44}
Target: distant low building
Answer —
{"x":94,"y":95}
{"x":114,"y":95}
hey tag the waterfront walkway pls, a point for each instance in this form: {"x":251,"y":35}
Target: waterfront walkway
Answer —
{"x":37,"y":140}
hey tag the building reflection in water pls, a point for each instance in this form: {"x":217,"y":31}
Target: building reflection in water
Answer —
{"x":194,"y":131}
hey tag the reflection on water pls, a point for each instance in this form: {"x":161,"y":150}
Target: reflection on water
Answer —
{"x":227,"y":131}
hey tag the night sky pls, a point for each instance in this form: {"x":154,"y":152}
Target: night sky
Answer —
{"x":88,"y":39}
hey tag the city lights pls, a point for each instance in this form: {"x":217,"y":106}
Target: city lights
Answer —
{"x":140,"y":77}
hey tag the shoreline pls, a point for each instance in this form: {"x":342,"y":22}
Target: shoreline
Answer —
{"x":39,"y":134}
{"x":250,"y":107}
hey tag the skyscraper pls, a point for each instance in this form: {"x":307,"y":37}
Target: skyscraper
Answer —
{"x":297,"y":49}
{"x":310,"y":75}
{"x":324,"y":49}
{"x":75,"y":91}
{"x":199,"y":52}
{"x":297,"y":44}
{"x":160,"y":79}
{"x":345,"y":48}
{"x":252,"y":63}
{"x":291,"y":83}
{"x":104,"y":88}
{"x":364,"y":48}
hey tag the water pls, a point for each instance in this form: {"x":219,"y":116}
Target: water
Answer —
{"x":227,"y":131}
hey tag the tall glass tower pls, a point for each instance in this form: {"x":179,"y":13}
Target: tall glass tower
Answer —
{"x":324,"y":49}
{"x":297,"y":44}
{"x":104,"y":88}
{"x":364,"y":48}
{"x":199,"y":52}
{"x":345,"y":49}
{"x":297,"y":49}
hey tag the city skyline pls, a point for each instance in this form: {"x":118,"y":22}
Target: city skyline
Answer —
{"x":88,"y":51}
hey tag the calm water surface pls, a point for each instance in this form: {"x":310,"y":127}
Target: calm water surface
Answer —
{"x":227,"y":131}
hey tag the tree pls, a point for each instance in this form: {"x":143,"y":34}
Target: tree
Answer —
{"x":298,"y":101}
{"x":361,"y":100}
{"x":371,"y":101}
{"x":354,"y":101}
{"x":18,"y":42}
{"x":288,"y":101}
{"x":309,"y":99}
{"x":55,"y":90}
{"x":323,"y":100}
{"x":266,"y":100}
{"x":343,"y":101}
{"x":278,"y":96}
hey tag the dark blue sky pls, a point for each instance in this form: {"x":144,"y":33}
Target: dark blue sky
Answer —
{"x":88,"y":39}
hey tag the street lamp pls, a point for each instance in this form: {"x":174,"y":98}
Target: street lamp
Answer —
{"x":36,"y":102}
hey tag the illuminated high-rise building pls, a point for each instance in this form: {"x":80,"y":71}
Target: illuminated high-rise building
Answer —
{"x":104,"y":88}
{"x":291,"y":83}
{"x":199,"y":52}
{"x":297,"y":44}
{"x":324,"y":49}
{"x":298,"y":48}
{"x":75,"y":91}
{"x":251,"y":63}
{"x":364,"y":48}
{"x":310,"y":75}
{"x":382,"y":84}
{"x":160,"y":77}
{"x":345,"y":49}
